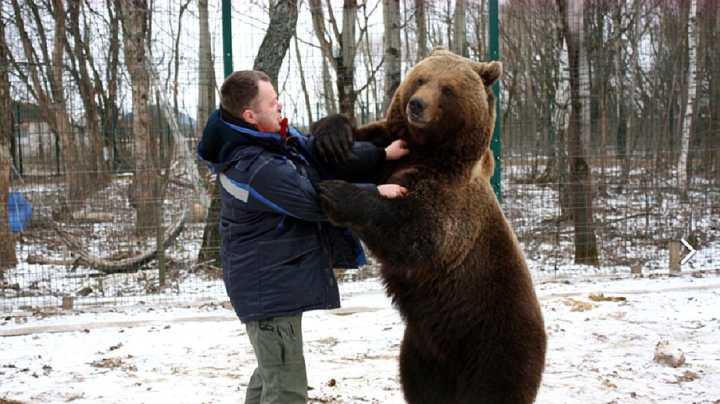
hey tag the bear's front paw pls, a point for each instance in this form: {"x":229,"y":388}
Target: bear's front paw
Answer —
{"x":341,"y":201}
{"x":333,"y":138}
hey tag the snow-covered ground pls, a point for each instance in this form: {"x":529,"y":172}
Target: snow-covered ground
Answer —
{"x":600,"y":351}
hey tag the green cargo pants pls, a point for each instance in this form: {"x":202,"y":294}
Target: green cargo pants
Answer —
{"x":280,"y":376}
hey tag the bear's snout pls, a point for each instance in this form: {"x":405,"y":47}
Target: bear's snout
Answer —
{"x":416,"y":106}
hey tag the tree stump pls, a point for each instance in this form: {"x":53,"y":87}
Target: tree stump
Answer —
{"x":68,"y":302}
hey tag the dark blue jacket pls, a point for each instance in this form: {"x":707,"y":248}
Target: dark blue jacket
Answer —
{"x":278,"y":250}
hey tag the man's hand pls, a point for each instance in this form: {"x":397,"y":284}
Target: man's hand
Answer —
{"x":396,"y":150}
{"x":392,"y":191}
{"x":333,"y":138}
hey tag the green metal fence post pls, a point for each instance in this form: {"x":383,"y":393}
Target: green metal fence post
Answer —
{"x":494,"y":54}
{"x":227,"y":37}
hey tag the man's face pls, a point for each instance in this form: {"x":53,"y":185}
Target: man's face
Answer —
{"x":265,"y":111}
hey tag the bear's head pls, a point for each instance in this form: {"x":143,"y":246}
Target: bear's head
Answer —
{"x":445,"y":105}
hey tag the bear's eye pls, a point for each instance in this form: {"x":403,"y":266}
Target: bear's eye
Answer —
{"x":447,"y":91}
{"x":420,"y":81}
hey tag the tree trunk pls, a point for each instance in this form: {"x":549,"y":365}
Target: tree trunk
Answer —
{"x":621,"y":75}
{"x":303,"y":83}
{"x":580,"y":186}
{"x":110,"y":112}
{"x":328,"y":91}
{"x":391,"y":42}
{"x":714,"y":78}
{"x":459,"y":27}
{"x":97,"y":165}
{"x":144,"y":190}
{"x":81,"y":255}
{"x":8,"y":257}
{"x":52,"y":102}
{"x":206,"y":71}
{"x":210,"y":250}
{"x":421,"y":27}
{"x":77,"y":181}
{"x":346,"y":69}
{"x":342,"y":60}
{"x":562,"y":119}
{"x":603,"y":115}
{"x":691,"y":101}
{"x":283,"y":19}
{"x":176,"y":57}
{"x":377,"y":109}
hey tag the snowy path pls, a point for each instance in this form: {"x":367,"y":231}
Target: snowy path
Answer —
{"x":599,"y":351}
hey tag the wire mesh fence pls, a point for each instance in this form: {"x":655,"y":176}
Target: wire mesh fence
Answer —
{"x":95,"y":227}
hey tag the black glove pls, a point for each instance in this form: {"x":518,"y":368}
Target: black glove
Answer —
{"x":333,"y":138}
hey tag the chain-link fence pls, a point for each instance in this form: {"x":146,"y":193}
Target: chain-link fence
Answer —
{"x":89,"y":247}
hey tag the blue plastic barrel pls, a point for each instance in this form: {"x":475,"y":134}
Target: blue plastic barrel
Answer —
{"x":19,"y":212}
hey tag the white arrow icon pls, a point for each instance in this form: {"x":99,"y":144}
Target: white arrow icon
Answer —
{"x":690,"y":255}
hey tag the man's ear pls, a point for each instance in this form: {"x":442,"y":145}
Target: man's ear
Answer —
{"x":249,"y":117}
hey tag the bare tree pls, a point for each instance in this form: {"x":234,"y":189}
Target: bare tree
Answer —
{"x":328,"y":93}
{"x":209,"y":251}
{"x":81,"y":59}
{"x":145,"y":189}
{"x":621,"y":81}
{"x":580,"y":186}
{"x":8,"y":257}
{"x":283,"y":19}
{"x":691,"y":100}
{"x":303,"y":83}
{"x":392,"y":49}
{"x":713,"y":55}
{"x":110,"y":105}
{"x":340,"y":53}
{"x":368,"y":60}
{"x":479,"y":17}
{"x":459,"y":29}
{"x":59,"y":108}
{"x":421,"y":27}
{"x":49,"y":90}
{"x":176,"y":56}
{"x":206,"y":70}
{"x":560,"y":124}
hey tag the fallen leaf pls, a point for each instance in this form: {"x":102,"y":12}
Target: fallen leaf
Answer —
{"x":687,"y":376}
{"x":607,"y":383}
{"x":578,"y":305}
{"x":599,"y":297}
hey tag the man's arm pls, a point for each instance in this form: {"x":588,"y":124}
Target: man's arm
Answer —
{"x":272,"y":184}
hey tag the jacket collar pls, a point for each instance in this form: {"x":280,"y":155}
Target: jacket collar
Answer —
{"x":239,"y":125}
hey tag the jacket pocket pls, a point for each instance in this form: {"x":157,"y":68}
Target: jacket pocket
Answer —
{"x":291,"y":274}
{"x":241,"y":283}
{"x":290,"y":252}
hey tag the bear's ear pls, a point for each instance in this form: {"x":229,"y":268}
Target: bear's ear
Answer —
{"x":441,"y":51}
{"x":489,"y":72}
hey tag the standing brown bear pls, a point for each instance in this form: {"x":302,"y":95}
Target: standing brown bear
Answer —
{"x":449,"y":259}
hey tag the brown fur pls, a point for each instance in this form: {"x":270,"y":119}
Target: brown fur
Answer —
{"x":450,"y":260}
{"x":485,"y":167}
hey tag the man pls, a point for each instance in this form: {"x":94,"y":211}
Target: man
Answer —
{"x":278,"y":250}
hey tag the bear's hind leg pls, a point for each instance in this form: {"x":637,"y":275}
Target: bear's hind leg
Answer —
{"x":423,"y":381}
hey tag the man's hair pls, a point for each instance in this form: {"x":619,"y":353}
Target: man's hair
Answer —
{"x":239,"y":90}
